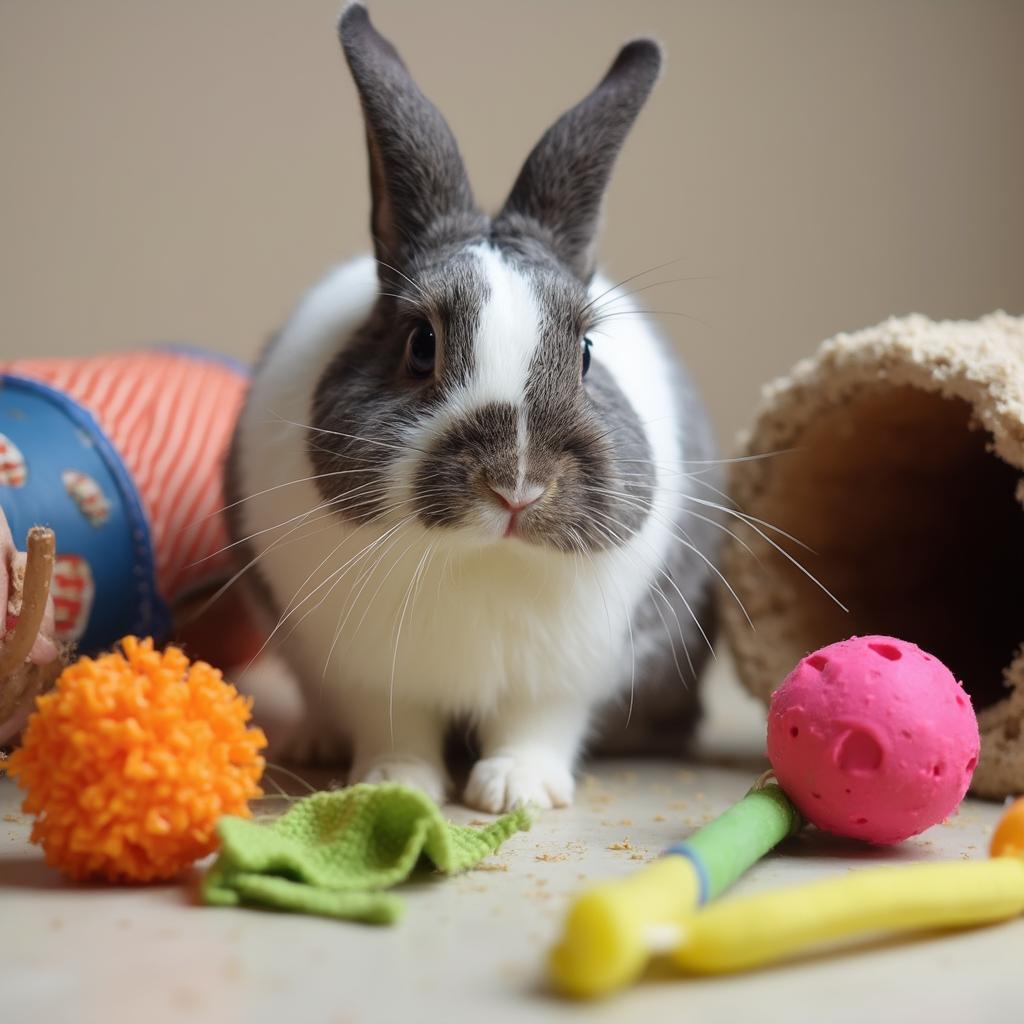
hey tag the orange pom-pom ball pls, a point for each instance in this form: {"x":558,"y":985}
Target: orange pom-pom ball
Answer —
{"x":131,"y":759}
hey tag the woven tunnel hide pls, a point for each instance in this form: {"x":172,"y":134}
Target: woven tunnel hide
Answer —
{"x":896,"y":454}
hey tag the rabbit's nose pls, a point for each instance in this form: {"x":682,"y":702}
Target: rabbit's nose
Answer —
{"x":515,"y":499}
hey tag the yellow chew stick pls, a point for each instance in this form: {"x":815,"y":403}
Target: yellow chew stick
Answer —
{"x":772,"y":926}
{"x":605,"y":943}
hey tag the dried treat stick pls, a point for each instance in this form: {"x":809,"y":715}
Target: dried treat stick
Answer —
{"x":15,"y":649}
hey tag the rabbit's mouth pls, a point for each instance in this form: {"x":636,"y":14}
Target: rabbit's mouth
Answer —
{"x":564,"y":512}
{"x":482,"y":510}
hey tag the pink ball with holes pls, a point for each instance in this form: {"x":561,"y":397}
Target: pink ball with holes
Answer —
{"x":873,"y":738}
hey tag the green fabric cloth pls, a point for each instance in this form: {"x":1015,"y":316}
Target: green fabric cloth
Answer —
{"x":332,"y":853}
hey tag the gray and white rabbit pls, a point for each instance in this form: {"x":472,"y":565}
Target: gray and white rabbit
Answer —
{"x":462,"y":473}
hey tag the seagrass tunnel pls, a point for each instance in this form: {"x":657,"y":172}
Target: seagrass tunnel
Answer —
{"x":896,"y":454}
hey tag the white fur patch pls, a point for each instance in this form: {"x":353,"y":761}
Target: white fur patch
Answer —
{"x":508,"y":335}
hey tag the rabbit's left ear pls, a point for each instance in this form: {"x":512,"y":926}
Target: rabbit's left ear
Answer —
{"x":417,"y":178}
{"x":564,"y":178}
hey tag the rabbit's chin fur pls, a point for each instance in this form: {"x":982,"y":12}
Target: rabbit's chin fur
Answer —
{"x":431,"y":626}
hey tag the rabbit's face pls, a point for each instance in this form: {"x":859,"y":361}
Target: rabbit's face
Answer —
{"x":475,"y":400}
{"x":468,"y":401}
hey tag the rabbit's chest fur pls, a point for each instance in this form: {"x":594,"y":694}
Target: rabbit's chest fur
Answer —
{"x":456,"y":631}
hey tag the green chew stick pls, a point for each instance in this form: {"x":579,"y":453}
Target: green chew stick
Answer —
{"x":727,"y":847}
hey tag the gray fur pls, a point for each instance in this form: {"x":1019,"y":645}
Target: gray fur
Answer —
{"x":563,"y":181}
{"x":672,"y":650}
{"x":367,"y":390}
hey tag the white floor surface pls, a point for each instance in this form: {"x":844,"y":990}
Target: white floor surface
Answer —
{"x":472,"y":948}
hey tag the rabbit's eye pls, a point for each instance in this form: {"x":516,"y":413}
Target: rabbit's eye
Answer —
{"x":421,"y":350}
{"x":585,"y":344}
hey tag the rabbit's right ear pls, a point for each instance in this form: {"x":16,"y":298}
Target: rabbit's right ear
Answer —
{"x":421,"y":194}
{"x":562,"y":183}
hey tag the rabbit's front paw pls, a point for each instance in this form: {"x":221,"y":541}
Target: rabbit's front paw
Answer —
{"x":502,"y":783}
{"x":409,"y":771}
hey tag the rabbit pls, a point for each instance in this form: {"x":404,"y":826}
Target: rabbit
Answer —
{"x":462,"y":485}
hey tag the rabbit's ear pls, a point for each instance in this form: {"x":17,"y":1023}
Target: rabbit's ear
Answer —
{"x":563,"y":180}
{"x":419,"y":187}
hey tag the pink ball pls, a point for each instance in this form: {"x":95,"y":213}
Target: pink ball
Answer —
{"x":873,"y":738}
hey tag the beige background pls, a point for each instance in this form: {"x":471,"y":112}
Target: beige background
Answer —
{"x":184,"y":170}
